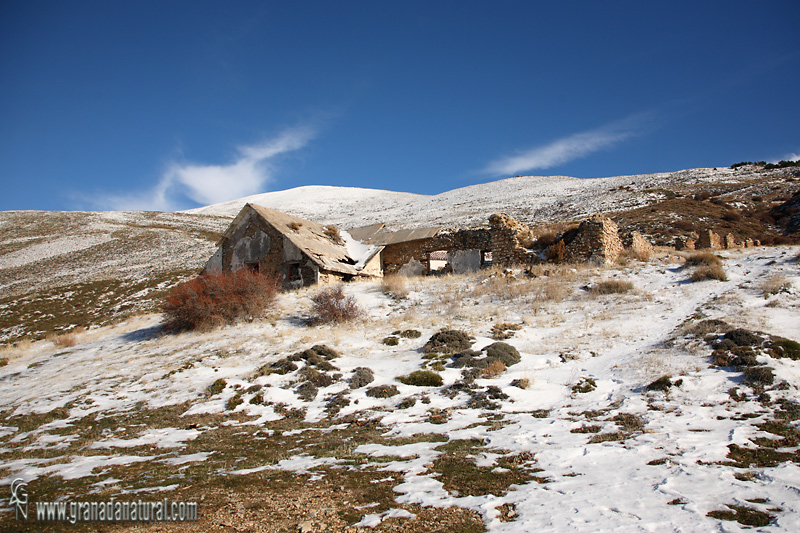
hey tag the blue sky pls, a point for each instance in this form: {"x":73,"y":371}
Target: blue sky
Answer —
{"x":171,"y":105}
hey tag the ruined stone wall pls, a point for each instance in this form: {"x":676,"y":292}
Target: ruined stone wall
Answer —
{"x":596,"y":240}
{"x":506,"y":248}
{"x":709,"y":239}
{"x":641,"y":247}
{"x":394,"y":256}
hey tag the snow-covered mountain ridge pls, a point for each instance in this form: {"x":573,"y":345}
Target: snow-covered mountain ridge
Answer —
{"x":530,"y":198}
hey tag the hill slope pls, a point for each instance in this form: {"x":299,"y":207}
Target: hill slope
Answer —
{"x":61,"y":269}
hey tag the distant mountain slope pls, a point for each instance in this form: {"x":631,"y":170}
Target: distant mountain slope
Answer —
{"x":530,"y":198}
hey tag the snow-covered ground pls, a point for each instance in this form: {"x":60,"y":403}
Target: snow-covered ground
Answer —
{"x":663,"y":471}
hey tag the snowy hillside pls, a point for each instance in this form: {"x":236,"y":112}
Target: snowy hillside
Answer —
{"x":608,"y":421}
{"x":529,"y":198}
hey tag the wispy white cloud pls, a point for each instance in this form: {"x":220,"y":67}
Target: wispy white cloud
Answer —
{"x":248,"y":173}
{"x":569,"y":148}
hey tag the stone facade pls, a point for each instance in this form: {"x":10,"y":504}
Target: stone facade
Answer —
{"x":597,"y":240}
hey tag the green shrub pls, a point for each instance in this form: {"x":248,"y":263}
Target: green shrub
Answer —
{"x":785,"y":348}
{"x":407,"y":403}
{"x":422,"y":378}
{"x":584,"y":385}
{"x":410,"y":334}
{"x":760,"y":375}
{"x":361,"y":376}
{"x":383,"y":391}
{"x":234,"y":402}
{"x":448,"y":341}
{"x":217,"y":387}
{"x":503,"y":352}
{"x":743,"y":337}
{"x":662,"y":384}
{"x":307,"y":391}
{"x":391,"y":341}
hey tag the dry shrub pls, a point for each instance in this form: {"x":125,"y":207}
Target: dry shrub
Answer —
{"x":67,"y":339}
{"x":775,"y":284}
{"x":493,"y":369}
{"x":557,"y":253}
{"x":394,"y":286}
{"x":612,"y":286}
{"x":703,"y":273}
{"x":64,"y":339}
{"x":504,"y":330}
{"x":546,"y":240}
{"x":551,"y":289}
{"x":212,"y":300}
{"x":332,"y":305}
{"x":333,"y":233}
{"x":703,"y":259}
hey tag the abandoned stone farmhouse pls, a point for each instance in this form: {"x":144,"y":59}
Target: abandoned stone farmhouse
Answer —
{"x":303,"y":252}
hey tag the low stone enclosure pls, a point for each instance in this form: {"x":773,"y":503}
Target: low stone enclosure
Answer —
{"x":507,"y":242}
{"x":503,"y":242}
{"x":711,"y":240}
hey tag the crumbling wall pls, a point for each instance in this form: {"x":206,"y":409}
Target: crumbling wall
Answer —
{"x":596,"y":240}
{"x":709,"y":239}
{"x":641,"y":247}
{"x":505,"y":243}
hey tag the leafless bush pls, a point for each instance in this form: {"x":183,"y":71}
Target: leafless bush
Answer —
{"x":212,"y":300}
{"x":332,"y":305}
{"x":394,"y":286}
{"x":775,"y":284}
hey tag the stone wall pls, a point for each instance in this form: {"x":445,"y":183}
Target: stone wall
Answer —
{"x":641,"y":247}
{"x":597,"y":240}
{"x":709,"y":239}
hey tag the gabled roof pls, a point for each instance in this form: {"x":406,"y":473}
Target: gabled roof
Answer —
{"x":306,"y":235}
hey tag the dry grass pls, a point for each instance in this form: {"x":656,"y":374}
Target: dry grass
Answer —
{"x":504,"y":330}
{"x":775,"y":284}
{"x":706,"y":272}
{"x":703,"y":259}
{"x":493,"y":369}
{"x":612,"y":286}
{"x":395,"y":286}
{"x":67,"y":339}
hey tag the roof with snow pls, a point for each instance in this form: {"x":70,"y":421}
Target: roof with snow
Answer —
{"x":311,"y":238}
